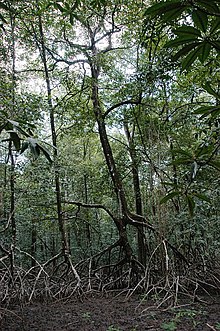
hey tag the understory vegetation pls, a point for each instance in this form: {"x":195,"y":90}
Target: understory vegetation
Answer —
{"x":109,"y":151}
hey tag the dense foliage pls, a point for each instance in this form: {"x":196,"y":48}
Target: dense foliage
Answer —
{"x":109,"y":146}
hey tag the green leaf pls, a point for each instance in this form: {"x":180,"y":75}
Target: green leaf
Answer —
{"x":185,"y":50}
{"x":190,"y":58}
{"x":191,"y":204}
{"x":200,"y":19}
{"x":24,"y":146}
{"x":172,"y":14}
{"x":205,"y":51}
{"x":210,"y":90}
{"x":35,"y":151}
{"x":215,"y":26}
{"x":187,"y":31}
{"x":16,"y":140}
{"x":169,"y":196}
{"x":34,"y":147}
{"x":181,"y":41}
{"x":162,"y":7}
{"x":209,"y":5}
{"x":205,"y":111}
{"x":45,"y":152}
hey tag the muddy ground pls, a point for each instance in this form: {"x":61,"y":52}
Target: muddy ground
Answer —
{"x":104,"y":313}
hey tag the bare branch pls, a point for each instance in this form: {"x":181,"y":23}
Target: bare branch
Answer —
{"x":122,"y":103}
{"x":87,"y":205}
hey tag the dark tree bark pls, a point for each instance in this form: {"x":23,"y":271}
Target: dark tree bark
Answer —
{"x":107,"y":150}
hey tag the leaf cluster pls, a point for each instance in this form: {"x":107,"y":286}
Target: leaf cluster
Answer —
{"x":22,"y":139}
{"x":196,"y":39}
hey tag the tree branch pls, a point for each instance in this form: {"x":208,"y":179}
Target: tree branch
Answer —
{"x":88,"y":205}
{"x":122,"y":103}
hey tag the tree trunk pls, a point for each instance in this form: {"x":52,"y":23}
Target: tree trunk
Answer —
{"x":137,"y":192}
{"x":61,"y":221}
{"x":33,"y":243}
{"x":107,"y":151}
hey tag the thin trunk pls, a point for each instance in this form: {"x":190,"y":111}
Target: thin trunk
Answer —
{"x":33,"y":243}
{"x":11,"y":155}
{"x":137,"y":193}
{"x":12,"y":193}
{"x":61,"y":221}
{"x":85,"y":182}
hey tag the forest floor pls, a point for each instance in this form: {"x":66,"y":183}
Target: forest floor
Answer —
{"x":104,"y":313}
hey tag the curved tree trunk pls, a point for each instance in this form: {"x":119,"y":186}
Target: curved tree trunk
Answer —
{"x":107,"y":151}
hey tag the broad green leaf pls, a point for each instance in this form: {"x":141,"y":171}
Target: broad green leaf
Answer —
{"x":181,"y":41}
{"x":191,"y":204}
{"x":200,"y":19}
{"x":205,"y":111}
{"x":16,"y":140}
{"x":209,"y":5}
{"x":187,"y":31}
{"x":35,"y":151}
{"x":190,"y":58}
{"x":162,"y":7}
{"x":45,"y":152}
{"x":210,"y":90}
{"x":172,"y":14}
{"x":169,"y":196}
{"x":185,"y":50}
{"x":215,"y":26}
{"x":24,"y":146}
{"x":205,"y":51}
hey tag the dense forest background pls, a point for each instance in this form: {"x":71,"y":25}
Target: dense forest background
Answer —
{"x":109,"y":152}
